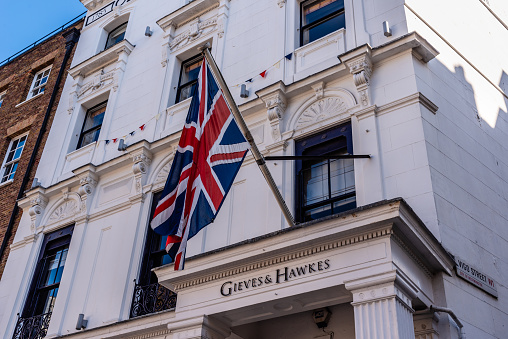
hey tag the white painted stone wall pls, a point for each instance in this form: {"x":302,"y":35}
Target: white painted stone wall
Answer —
{"x":450,"y":165}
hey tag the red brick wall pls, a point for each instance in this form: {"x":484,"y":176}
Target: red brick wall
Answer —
{"x":16,"y":78}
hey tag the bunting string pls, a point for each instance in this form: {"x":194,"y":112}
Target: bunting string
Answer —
{"x":156,"y":117}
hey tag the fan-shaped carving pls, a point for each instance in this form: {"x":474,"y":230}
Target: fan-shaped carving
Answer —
{"x":321,"y":110}
{"x":163,"y":174}
{"x":64,"y":211}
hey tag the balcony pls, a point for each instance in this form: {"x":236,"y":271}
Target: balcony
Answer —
{"x":151,"y":299}
{"x":32,"y":328}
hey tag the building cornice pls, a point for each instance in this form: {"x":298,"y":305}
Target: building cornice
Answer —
{"x":186,"y":13}
{"x":380,"y":220}
{"x":102,"y":59}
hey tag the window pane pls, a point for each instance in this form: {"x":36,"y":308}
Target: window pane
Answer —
{"x":94,"y":119}
{"x":55,"y":265}
{"x":319,"y":9}
{"x":13,"y":169}
{"x":190,"y":71}
{"x":90,"y":137}
{"x":342,"y":180}
{"x":50,"y":301}
{"x":324,"y":28}
{"x":7,"y":173}
{"x":315,"y":183}
{"x":186,"y":91}
{"x":318,"y":212}
{"x":116,"y":35}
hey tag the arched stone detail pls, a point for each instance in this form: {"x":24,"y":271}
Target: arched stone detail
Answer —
{"x":333,"y":102}
{"x":161,"y":173}
{"x":65,"y":209}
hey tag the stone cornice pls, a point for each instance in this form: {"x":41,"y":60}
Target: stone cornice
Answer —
{"x":186,"y":13}
{"x":367,"y":223}
{"x":101,"y":60}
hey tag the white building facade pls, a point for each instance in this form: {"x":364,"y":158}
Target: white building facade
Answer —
{"x":408,"y":243}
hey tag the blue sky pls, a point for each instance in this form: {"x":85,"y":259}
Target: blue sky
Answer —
{"x":23,"y":22}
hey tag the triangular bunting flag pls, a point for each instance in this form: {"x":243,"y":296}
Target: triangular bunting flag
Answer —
{"x":115,"y":140}
{"x":263,"y":74}
{"x":289,"y":56}
{"x":142,"y":127}
{"x":107,"y":141}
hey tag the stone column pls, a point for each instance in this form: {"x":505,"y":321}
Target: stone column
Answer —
{"x":382,"y":306}
{"x":199,"y":328}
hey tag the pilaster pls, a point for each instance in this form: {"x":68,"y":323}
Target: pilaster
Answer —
{"x":382,"y":307}
{"x":198,"y":328}
{"x":425,"y":325}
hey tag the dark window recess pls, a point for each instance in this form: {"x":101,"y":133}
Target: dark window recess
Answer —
{"x":150,"y":297}
{"x":116,"y":35}
{"x":325,"y":187}
{"x":188,"y":78}
{"x":34,"y":320}
{"x":319,"y":18}
{"x":92,"y":125}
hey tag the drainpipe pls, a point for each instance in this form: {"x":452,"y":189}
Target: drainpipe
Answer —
{"x":433,"y":308}
{"x":71,"y":37}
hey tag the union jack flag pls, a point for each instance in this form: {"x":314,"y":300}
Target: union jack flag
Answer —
{"x":209,"y":155}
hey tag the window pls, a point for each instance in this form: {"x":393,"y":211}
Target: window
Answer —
{"x":325,"y":186}
{"x":45,"y":284}
{"x":39,"y":82}
{"x":116,"y":35}
{"x":92,"y":125}
{"x":319,"y":18}
{"x":2,"y":96}
{"x":188,"y":78}
{"x":155,"y":254}
{"x":150,"y":297}
{"x":12,"y":158}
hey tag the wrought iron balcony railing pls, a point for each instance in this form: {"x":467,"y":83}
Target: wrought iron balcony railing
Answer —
{"x":150,"y":299}
{"x":32,"y":328}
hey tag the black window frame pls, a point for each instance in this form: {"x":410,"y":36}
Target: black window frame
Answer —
{"x":325,"y":18}
{"x":152,"y":254}
{"x":341,"y":137}
{"x":191,"y":83}
{"x":53,"y":242}
{"x":113,"y":31}
{"x":95,"y":128}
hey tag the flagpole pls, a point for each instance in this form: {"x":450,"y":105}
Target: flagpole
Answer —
{"x":245,"y":130}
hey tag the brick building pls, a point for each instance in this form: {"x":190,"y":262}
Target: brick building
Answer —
{"x":27,"y":107}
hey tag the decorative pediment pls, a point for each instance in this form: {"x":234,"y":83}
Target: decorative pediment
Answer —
{"x":331,"y":103}
{"x":163,"y":174}
{"x":64,"y":211}
{"x":101,"y":60}
{"x":97,"y":83}
{"x":196,"y":30}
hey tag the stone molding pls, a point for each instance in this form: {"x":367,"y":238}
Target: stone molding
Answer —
{"x":199,"y":327}
{"x":276,"y":104}
{"x":101,"y":60}
{"x":425,"y":326}
{"x":142,"y":159}
{"x":360,"y":67}
{"x":190,"y":11}
{"x":332,"y":103}
{"x":384,"y":232}
{"x":196,"y":30}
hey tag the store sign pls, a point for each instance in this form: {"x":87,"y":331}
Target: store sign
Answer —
{"x":475,"y":277}
{"x":279,"y":276}
{"x":104,"y":10}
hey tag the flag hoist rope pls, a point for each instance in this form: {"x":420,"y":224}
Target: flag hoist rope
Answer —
{"x":245,"y":130}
